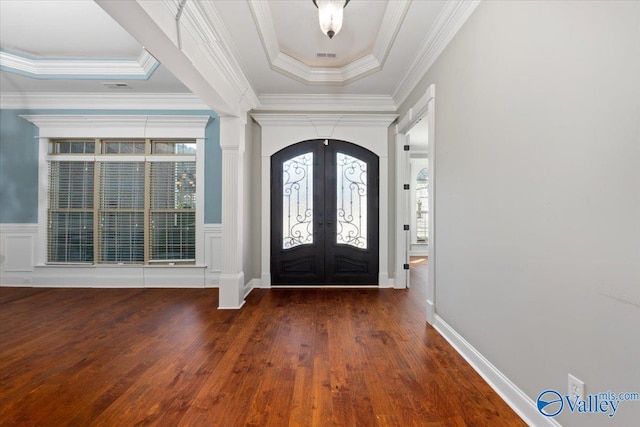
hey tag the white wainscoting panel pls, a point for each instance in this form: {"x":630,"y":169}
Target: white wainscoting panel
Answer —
{"x":174,"y":277}
{"x":17,"y":253}
{"x":18,"y":267}
{"x":213,"y":254}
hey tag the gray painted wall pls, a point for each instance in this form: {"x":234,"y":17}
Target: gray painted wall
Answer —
{"x":19,"y":163}
{"x":538,"y":194}
{"x":249,"y":238}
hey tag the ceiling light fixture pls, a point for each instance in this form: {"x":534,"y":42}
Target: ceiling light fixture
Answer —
{"x":330,"y":14}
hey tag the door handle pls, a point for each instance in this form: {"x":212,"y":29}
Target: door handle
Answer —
{"x":329,"y":219}
{"x":320,"y":218}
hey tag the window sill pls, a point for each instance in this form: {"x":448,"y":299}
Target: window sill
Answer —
{"x":81,"y":265}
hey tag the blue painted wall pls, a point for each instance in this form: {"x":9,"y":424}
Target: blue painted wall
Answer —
{"x":19,"y":163}
{"x":18,"y":169}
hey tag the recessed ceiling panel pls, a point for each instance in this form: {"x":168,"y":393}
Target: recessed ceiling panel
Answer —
{"x":299,"y":34}
{"x":162,"y":81}
{"x":260,"y":53}
{"x":63,"y":29}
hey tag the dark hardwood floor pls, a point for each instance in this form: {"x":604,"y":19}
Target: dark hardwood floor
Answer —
{"x":127,"y":357}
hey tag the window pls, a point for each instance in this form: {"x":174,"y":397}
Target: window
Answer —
{"x":422,"y":205}
{"x":122,"y":201}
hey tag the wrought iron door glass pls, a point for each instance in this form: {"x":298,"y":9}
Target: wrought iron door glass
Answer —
{"x":351,"y":212}
{"x":297,"y":201}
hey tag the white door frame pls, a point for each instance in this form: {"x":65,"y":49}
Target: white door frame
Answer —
{"x":403,"y":241}
{"x":280,"y":130}
{"x":422,"y":109}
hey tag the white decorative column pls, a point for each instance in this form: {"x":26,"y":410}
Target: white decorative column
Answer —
{"x":232,"y":142}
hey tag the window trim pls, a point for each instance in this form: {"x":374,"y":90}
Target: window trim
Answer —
{"x":117,"y":126}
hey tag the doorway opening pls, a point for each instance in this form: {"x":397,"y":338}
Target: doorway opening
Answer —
{"x":419,"y":271}
{"x":415,"y":180}
{"x":419,"y":189}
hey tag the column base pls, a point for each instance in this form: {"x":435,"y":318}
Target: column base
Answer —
{"x":231,"y":290}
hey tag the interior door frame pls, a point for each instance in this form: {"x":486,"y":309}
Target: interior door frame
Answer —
{"x":280,"y":130}
{"x":423,"y":109}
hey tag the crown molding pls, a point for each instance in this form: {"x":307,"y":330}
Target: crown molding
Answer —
{"x":417,"y":111}
{"x":291,"y":67}
{"x":206,"y":26}
{"x":327,"y":102}
{"x":391,"y":23}
{"x":88,"y":120}
{"x":134,"y":126}
{"x":101,"y":101}
{"x":451,"y":18}
{"x":147,"y":62}
{"x":261,"y":13}
{"x":362,"y":67}
{"x":197,"y":23}
{"x":154,"y":25}
{"x":324,"y":120}
{"x":85,"y":69}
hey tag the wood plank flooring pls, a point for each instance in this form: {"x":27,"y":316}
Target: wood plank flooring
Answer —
{"x":130,"y":357}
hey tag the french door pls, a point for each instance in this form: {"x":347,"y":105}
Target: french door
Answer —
{"x":324,"y":214}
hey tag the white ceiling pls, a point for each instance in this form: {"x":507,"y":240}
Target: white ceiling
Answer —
{"x":71,"y":30}
{"x":65,"y":29}
{"x":299,"y":36}
{"x":296,"y":27}
{"x":268,"y":47}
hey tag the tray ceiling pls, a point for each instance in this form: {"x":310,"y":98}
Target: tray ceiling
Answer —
{"x":265,"y":51}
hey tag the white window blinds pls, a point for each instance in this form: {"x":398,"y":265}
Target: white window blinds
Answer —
{"x":70,"y":216}
{"x":117,"y":206}
{"x":121,"y":212}
{"x":173,"y":214}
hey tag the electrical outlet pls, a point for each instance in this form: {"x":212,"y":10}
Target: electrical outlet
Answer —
{"x":576,"y":388}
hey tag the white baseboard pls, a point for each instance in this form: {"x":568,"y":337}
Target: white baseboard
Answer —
{"x":524,"y":406}
{"x":212,"y":279}
{"x":325,"y":287}
{"x":238,"y":307}
{"x":383,"y":280}
{"x":253,"y":283}
{"x":431,"y":312}
{"x":265,"y":281}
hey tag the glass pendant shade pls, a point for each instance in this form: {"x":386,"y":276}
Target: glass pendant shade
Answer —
{"x":330,"y":13}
